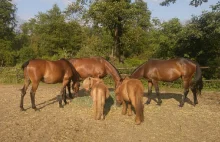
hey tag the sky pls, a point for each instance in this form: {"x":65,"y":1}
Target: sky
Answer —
{"x":27,"y":9}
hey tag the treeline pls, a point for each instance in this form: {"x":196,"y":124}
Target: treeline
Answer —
{"x":121,"y":30}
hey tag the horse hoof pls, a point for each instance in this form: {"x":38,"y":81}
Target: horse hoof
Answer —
{"x":159,"y":102}
{"x":138,"y":122}
{"x":66,"y":103}
{"x":36,"y":109}
{"x":22,"y":109}
{"x":148,"y":102}
{"x":102,"y":118}
{"x":123,"y":113}
{"x":61,"y":106}
{"x":129,"y":114}
{"x":181,"y":105}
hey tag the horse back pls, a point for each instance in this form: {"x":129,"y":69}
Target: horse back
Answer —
{"x":99,"y":91}
{"x":49,"y":71}
{"x":130,"y":88}
{"x":168,"y":70}
{"x":89,"y":67}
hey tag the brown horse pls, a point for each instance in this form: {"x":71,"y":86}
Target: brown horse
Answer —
{"x":96,"y":67}
{"x":170,"y":70}
{"x":99,"y":94}
{"x":130,"y":92}
{"x":49,"y":72}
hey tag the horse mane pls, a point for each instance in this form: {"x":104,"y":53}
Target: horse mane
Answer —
{"x":111,"y":65}
{"x":76,"y":75}
{"x":139,"y":67}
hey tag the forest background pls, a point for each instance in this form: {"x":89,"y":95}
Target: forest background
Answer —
{"x":121,"y":31}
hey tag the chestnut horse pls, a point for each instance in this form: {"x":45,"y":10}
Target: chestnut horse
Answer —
{"x":130,"y":92}
{"x":170,"y":70}
{"x":99,"y":94}
{"x":49,"y":72}
{"x":96,"y":67}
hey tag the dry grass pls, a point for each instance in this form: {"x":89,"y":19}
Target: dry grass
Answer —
{"x":75,"y":121}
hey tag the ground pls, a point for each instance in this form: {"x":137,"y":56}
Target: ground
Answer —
{"x":75,"y":121}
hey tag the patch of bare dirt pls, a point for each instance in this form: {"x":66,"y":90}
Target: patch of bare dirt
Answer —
{"x":75,"y":122}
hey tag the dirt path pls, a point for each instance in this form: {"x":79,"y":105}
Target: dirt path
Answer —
{"x":75,"y":121}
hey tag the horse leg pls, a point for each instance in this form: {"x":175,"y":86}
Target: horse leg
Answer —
{"x":138,"y":117}
{"x":69,"y":91}
{"x":155,"y":83}
{"x":149,"y":92}
{"x":63,"y":93}
{"x":102,"y":108}
{"x":32,"y":94}
{"x":186,"y":91}
{"x":129,"y":109}
{"x":124,"y":109}
{"x":194,"y":96}
{"x":23,"y":92}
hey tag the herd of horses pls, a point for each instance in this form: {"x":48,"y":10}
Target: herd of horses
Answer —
{"x":129,"y":90}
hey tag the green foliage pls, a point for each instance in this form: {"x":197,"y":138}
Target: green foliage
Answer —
{"x":110,"y":29}
{"x":25,"y":54}
{"x":7,"y":24}
{"x":51,"y":37}
{"x":118,"y":17}
{"x":192,"y":2}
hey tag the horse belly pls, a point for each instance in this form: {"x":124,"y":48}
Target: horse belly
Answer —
{"x":171,"y":75}
{"x":53,"y":78}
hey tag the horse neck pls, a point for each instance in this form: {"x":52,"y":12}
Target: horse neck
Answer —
{"x":113,"y":72}
{"x":138,"y":72}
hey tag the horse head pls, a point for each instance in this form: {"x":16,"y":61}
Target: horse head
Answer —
{"x":90,"y":81}
{"x":118,"y":93}
{"x":87,"y":84}
{"x":75,"y":87}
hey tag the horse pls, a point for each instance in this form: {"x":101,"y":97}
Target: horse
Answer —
{"x":50,"y":72}
{"x":130,"y":93}
{"x":99,"y":93}
{"x":96,"y":67}
{"x":170,"y":70}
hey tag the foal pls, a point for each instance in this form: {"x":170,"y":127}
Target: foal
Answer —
{"x":99,"y":94}
{"x":130,"y":92}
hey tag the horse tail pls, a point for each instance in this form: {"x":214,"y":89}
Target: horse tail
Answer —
{"x":198,"y":83}
{"x":26,"y":78}
{"x":24,"y":65}
{"x":139,"y":106}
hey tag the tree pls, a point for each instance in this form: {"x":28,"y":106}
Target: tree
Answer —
{"x":51,"y":36}
{"x":195,"y":3}
{"x":7,"y":25}
{"x":117,"y":17}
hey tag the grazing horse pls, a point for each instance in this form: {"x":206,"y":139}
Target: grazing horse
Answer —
{"x":49,"y":72}
{"x":96,"y":67}
{"x":130,"y":92}
{"x":99,"y":94}
{"x":170,"y":70}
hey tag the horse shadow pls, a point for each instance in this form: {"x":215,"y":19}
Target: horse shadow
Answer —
{"x":108,"y":104}
{"x":166,"y":96}
{"x":45,"y":103}
{"x":81,"y":93}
